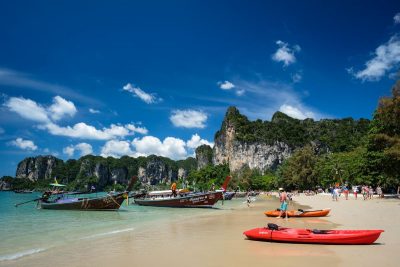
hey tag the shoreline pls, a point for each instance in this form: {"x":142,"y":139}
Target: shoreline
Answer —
{"x":216,"y":239}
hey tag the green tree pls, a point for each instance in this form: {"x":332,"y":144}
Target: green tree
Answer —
{"x":384,"y":139}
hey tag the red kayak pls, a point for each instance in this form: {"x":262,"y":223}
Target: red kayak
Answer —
{"x":275,"y":233}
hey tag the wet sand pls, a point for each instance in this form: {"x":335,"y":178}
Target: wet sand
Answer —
{"x":217,"y":240}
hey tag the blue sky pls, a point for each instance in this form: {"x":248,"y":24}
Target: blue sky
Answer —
{"x":156,"y":77}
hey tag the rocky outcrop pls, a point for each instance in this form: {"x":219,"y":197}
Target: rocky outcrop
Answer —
{"x":35,"y":168}
{"x":155,"y":172}
{"x":204,"y":154}
{"x":238,"y":154}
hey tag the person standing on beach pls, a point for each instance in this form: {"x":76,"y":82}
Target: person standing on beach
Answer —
{"x":346,"y":192}
{"x":173,"y":189}
{"x":335,"y":194}
{"x":283,"y":198}
{"x":355,"y":191}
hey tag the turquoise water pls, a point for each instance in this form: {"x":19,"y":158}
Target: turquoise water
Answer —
{"x":27,"y":230}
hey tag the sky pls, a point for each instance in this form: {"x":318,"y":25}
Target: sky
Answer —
{"x":135,"y":78}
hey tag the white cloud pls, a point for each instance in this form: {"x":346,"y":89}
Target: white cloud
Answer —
{"x":60,"y":108}
{"x":188,"y":118}
{"x":69,"y":150}
{"x":24,"y":144}
{"x":171,"y":147}
{"x":83,"y":131}
{"x":386,"y":58}
{"x":145,"y":97}
{"x":136,"y":129}
{"x":31,"y":110}
{"x":94,"y":111}
{"x":296,"y":112}
{"x":116,"y":149}
{"x":196,"y":141}
{"x":84,"y":148}
{"x":285,"y":54}
{"x":27,"y":109}
{"x":396,"y":18}
{"x":226,"y":85}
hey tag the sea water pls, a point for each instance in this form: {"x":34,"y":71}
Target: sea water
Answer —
{"x":27,"y":230}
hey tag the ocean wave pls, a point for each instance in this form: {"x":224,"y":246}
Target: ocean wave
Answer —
{"x":21,"y":254}
{"x":109,"y":233}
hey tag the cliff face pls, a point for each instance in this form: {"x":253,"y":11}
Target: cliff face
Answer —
{"x":204,"y":155}
{"x":238,"y":154}
{"x":104,"y":171}
{"x":156,"y":172}
{"x":264,"y":145}
{"x":35,"y":168}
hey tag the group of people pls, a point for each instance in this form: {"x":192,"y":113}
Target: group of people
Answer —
{"x":366,"y":191}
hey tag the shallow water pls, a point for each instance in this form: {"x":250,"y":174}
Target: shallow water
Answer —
{"x":27,"y":230}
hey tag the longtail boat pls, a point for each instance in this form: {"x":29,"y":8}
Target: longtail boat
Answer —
{"x":111,"y":201}
{"x":185,"y":200}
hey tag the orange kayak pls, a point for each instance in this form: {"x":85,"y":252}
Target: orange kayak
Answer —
{"x":299,"y":213}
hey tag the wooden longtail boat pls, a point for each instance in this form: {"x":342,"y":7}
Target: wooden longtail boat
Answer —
{"x":107,"y":202}
{"x":191,"y":200}
{"x":186,"y":200}
{"x":298,"y":213}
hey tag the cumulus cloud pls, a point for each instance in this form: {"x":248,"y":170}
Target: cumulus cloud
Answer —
{"x":285,"y":53}
{"x":27,"y":109}
{"x":196,"y":141}
{"x":94,"y":111}
{"x":83,"y":148}
{"x":296,"y":112}
{"x":386,"y":57}
{"x":30,"y":110}
{"x":396,"y":18}
{"x":226,"y":85}
{"x":116,"y":149}
{"x":171,"y":147}
{"x":24,"y":144}
{"x":84,"y":131}
{"x":136,"y":129}
{"x":46,"y":118}
{"x":61,"y":108}
{"x":188,"y":118}
{"x":145,"y":97}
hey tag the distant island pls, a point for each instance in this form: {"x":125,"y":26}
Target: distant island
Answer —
{"x":261,"y":155}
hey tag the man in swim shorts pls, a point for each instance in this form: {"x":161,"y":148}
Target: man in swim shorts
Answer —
{"x":283,"y":198}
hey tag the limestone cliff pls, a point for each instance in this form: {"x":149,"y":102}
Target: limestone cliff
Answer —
{"x":35,"y":168}
{"x":264,"y":145}
{"x":104,"y":172}
{"x":204,"y":154}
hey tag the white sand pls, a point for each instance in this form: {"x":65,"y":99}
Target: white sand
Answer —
{"x":217,"y":240}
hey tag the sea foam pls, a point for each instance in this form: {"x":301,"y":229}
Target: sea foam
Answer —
{"x":21,"y":254}
{"x":109,"y":233}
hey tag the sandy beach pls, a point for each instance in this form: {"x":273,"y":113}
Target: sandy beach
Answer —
{"x":217,"y":240}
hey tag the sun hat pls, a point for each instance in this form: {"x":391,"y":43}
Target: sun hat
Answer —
{"x":280,"y":189}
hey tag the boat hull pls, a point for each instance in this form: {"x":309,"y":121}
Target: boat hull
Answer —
{"x":109,"y":202}
{"x":295,"y":213}
{"x":201,"y":200}
{"x":293,"y":235}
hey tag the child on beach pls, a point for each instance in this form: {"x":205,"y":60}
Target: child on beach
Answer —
{"x":335,"y":194}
